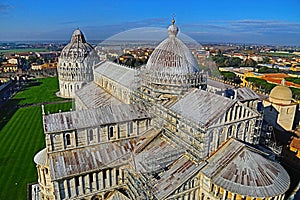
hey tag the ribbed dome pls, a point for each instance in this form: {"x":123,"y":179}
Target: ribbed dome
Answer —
{"x":172,"y":56}
{"x":78,"y":48}
{"x":281,"y":94}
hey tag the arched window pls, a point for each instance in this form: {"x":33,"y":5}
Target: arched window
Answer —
{"x":110,"y":132}
{"x":91,"y":135}
{"x":68,"y":139}
{"x":130,"y":128}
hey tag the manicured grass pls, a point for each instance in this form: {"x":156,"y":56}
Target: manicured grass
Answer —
{"x":38,"y":91}
{"x":34,"y":92}
{"x":21,"y":134}
{"x":20,"y":139}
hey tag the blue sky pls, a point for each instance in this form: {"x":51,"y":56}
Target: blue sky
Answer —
{"x":255,"y":21}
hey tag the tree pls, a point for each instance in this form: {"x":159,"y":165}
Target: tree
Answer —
{"x":228,"y":76}
{"x":250,"y":63}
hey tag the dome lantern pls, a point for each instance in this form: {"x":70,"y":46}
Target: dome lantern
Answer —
{"x":173,"y":29}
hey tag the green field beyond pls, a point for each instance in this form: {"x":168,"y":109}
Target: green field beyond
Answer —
{"x":22,"y":50}
{"x":21,"y":134}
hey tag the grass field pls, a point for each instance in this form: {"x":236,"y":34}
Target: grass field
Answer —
{"x":22,"y":137}
{"x":37,"y":91}
{"x":23,"y":50}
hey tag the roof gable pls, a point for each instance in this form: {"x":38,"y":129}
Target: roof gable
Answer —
{"x":202,"y":107}
{"x":65,"y":121}
{"x":118,"y":73}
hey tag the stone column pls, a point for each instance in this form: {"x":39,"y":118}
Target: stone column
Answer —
{"x":80,"y":187}
{"x":216,"y":190}
{"x":100,"y":180}
{"x":87,"y":188}
{"x":73,"y":187}
{"x":224,"y":195}
{"x":66,"y":189}
{"x":233,"y":196}
{"x":113,"y":176}
{"x":42,"y":177}
{"x":94,"y":183}
{"x":108,"y":183}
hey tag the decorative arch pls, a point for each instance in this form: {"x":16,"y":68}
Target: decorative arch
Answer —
{"x":68,"y":139}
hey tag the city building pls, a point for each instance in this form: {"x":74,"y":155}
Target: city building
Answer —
{"x":75,"y":65}
{"x":281,"y":127}
{"x":155,"y":133}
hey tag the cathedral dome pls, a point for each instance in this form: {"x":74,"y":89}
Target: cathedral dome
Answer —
{"x":172,"y":56}
{"x":281,"y":94}
{"x":78,"y":48}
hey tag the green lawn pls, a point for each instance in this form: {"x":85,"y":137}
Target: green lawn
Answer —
{"x":35,"y":91}
{"x":21,"y":137}
{"x":38,"y":90}
{"x":23,"y":50}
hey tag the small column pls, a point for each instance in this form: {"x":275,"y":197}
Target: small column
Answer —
{"x":94,"y":183}
{"x":100,"y":180}
{"x":42,"y":177}
{"x":87,"y":184}
{"x":73,"y":187}
{"x":113,"y":176}
{"x":224,"y":195}
{"x":66,"y":189}
{"x":80,"y":187}
{"x":233,"y":196}
{"x":216,"y":190}
{"x":107,"y":183}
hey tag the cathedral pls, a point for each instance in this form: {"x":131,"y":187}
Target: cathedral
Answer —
{"x":152,"y":133}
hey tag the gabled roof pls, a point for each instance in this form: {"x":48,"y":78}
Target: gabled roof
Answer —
{"x":118,"y":73}
{"x":246,"y":94}
{"x":65,"y":121}
{"x":82,"y":160}
{"x":218,"y":84}
{"x":202,"y":107}
{"x":179,"y":172}
{"x":157,"y":153}
{"x":240,"y":169}
{"x":116,"y":195}
{"x":93,"y":96}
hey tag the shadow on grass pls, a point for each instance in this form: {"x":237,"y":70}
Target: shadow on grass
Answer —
{"x":30,"y":83}
{"x":7,"y":110}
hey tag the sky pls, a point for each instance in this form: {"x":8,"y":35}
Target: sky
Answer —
{"x":272,"y":22}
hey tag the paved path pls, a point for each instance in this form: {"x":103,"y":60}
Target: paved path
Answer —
{"x":44,"y":103}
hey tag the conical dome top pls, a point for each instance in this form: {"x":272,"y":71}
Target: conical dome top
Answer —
{"x":78,"y":36}
{"x":78,"y":48}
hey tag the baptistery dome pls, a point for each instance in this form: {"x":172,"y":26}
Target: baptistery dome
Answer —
{"x":171,"y":69}
{"x":78,"y":48}
{"x":75,"y":64}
